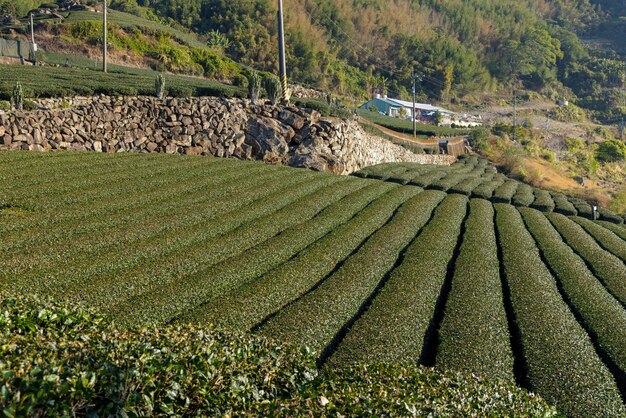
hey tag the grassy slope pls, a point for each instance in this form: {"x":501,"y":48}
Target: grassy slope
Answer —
{"x":207,"y":230}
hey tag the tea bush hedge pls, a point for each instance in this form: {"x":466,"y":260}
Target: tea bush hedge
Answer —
{"x":601,"y":313}
{"x":607,"y":239}
{"x":474,"y":334}
{"x":606,"y":267}
{"x":560,"y":359}
{"x":275,"y":289}
{"x":395,"y":325}
{"x":58,"y":360}
{"x":312,"y":320}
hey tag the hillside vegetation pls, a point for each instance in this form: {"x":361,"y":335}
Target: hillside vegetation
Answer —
{"x":362,"y":271}
{"x":463,"y":50}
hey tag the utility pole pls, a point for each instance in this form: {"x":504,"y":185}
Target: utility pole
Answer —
{"x":281,"y":51}
{"x":514,"y":115}
{"x":104,"y":44}
{"x":32,"y":38}
{"x":415,"y":78}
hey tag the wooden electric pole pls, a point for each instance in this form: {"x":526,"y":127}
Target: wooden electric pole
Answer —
{"x":104,"y":43}
{"x":32,"y":38}
{"x":281,"y":51}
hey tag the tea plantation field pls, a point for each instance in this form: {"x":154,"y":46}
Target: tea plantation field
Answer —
{"x":358,"y":269}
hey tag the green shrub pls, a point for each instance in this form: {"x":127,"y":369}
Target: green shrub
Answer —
{"x":312,"y":320}
{"x":607,"y":268}
{"x":273,"y":88}
{"x":17,"y":98}
{"x":524,"y":195}
{"x":543,"y":201}
{"x":474,"y":334}
{"x":505,"y":193}
{"x":611,"y":150}
{"x":601,"y":313}
{"x":64,"y":361}
{"x":607,"y":239}
{"x":563,"y":205}
{"x":560,"y":361}
{"x":254,"y":86}
{"x":159,"y":86}
{"x":5,"y":106}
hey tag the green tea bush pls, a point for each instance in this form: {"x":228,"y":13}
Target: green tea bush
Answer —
{"x":524,"y":195}
{"x":608,"y":268}
{"x":582,"y":207}
{"x":600,"y":312}
{"x":425,"y":180}
{"x":485,"y":190}
{"x":275,"y":289}
{"x":474,"y":334}
{"x":395,"y":326}
{"x":607,"y":239}
{"x":543,"y":201}
{"x":561,"y":362}
{"x":563,"y":205}
{"x":616,"y":229}
{"x":63,"y":361}
{"x":610,"y":216}
{"x":468,"y":185}
{"x":505,"y":193}
{"x":314,"y":321}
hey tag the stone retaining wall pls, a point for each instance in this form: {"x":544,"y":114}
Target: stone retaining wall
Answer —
{"x":204,"y":126}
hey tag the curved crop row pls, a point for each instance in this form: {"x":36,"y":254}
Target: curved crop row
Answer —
{"x":607,"y":215}
{"x":561,"y":363}
{"x":608,"y":268}
{"x":275,"y":289}
{"x":524,"y":195}
{"x":543,"y":201}
{"x":607,"y":239}
{"x":505,"y":193}
{"x":616,"y":229}
{"x":485,"y":190}
{"x":582,"y":207}
{"x":75,"y":245}
{"x":314,"y":320}
{"x":426,"y":179}
{"x":563,"y":205}
{"x":172,"y":296}
{"x":239,"y":269}
{"x":467,"y":186}
{"x":474,"y":333}
{"x":395,"y":325}
{"x":600,"y":312}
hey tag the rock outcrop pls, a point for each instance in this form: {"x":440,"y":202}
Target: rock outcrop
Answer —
{"x":220,"y":127}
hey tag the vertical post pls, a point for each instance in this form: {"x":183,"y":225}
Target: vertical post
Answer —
{"x":414,"y":92}
{"x":281,"y":51}
{"x":32,"y":38}
{"x":104,"y":43}
{"x":514,"y":115}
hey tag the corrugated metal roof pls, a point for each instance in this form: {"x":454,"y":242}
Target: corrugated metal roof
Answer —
{"x":421,"y":106}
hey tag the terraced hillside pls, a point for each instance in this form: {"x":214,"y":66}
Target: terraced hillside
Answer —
{"x":360,"y":270}
{"x":475,"y":177}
